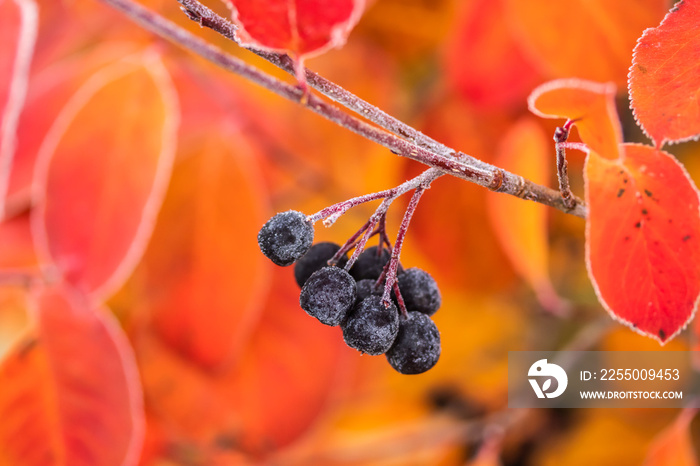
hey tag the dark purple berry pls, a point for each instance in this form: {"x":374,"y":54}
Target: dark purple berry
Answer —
{"x":367,"y":287}
{"x":315,"y":258}
{"x":419,"y":291}
{"x":286,"y":237}
{"x":370,"y":263}
{"x":328,"y":295}
{"x":371,"y":327}
{"x":417,"y":346}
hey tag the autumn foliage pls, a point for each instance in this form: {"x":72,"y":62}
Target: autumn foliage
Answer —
{"x":140,"y":324}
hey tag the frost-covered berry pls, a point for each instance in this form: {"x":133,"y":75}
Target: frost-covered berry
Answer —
{"x":371,"y":327}
{"x":328,"y":295}
{"x":417,"y":346}
{"x":367,"y":287}
{"x":370,"y":263}
{"x":419,"y":291}
{"x":286,"y":237}
{"x":314,"y":259}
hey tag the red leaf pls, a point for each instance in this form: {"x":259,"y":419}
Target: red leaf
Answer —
{"x":591,"y":104}
{"x":70,"y":392}
{"x":301,"y":27}
{"x":103,"y":171}
{"x":643,"y":239}
{"x":281,"y":385}
{"x":522,"y":227}
{"x":664,"y":79}
{"x":18,"y":29}
{"x":674,"y":445}
{"x":504,"y":75}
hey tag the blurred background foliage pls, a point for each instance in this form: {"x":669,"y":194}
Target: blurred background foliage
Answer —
{"x":233,"y":371}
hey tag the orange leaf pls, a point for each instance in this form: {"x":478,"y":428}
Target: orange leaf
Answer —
{"x":520,"y":226}
{"x":504,"y":76}
{"x":664,"y":79}
{"x":203,"y":259}
{"x":18,"y":29}
{"x":281,"y":385}
{"x":591,"y":105}
{"x":301,"y":27}
{"x":70,"y":392}
{"x":102,"y":173}
{"x":643,"y":239}
{"x":674,"y":446}
{"x":49,"y":90}
{"x":589,"y":39}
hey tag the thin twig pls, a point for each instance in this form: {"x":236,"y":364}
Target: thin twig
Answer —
{"x":376,"y":217}
{"x":349,"y":244}
{"x":393,"y":265}
{"x":332,"y":213}
{"x":399,"y":301}
{"x":561,"y":134}
{"x":461,"y":166}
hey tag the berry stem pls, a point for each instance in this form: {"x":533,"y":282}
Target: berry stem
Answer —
{"x":371,"y":224}
{"x":383,"y":237}
{"x":353,"y":241}
{"x":396,"y":253}
{"x":561,"y":134}
{"x":376,"y":223}
{"x":349,"y":244}
{"x":332,"y":213}
{"x":408,"y":145}
{"x":400,"y":301}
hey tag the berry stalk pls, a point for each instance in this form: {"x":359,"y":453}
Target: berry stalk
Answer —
{"x":378,"y":216}
{"x":561,"y":134}
{"x":331,"y":213}
{"x":375,"y":224}
{"x":393,"y":265}
{"x":350,"y":243}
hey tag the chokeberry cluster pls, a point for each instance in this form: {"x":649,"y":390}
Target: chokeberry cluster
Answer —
{"x":375,"y":318}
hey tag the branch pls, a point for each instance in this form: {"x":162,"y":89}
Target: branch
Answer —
{"x":209,"y":19}
{"x":454,"y":163}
